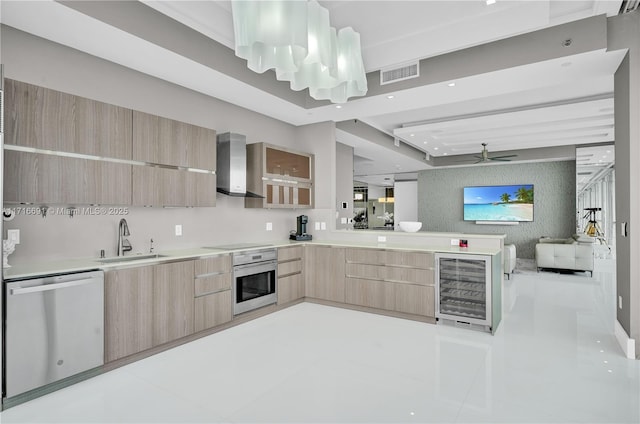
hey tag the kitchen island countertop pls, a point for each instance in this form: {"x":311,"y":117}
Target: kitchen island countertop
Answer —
{"x":65,"y":266}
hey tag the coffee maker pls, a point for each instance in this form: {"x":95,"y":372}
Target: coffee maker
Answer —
{"x":301,"y":229}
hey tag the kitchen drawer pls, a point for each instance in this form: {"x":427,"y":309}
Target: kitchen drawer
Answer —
{"x":290,"y":267}
{"x":424,"y":277}
{"x":373,"y":272}
{"x":365,"y":256}
{"x":212,"y":310}
{"x":290,"y":288}
{"x":212,"y":284}
{"x":413,"y":299}
{"x":421,"y":260}
{"x":409,"y":259}
{"x":373,"y":294}
{"x":288,"y":253}
{"x":390,"y":273}
{"x":214,"y":264}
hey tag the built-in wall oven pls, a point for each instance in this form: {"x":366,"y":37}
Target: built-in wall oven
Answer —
{"x":254,"y":279}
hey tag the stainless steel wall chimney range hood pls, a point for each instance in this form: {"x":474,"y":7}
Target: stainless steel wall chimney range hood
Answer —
{"x":231,"y":166}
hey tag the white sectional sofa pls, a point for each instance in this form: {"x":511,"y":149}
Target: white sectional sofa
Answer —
{"x":574,"y":253}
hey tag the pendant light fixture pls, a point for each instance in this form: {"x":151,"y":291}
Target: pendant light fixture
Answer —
{"x":295,"y":39}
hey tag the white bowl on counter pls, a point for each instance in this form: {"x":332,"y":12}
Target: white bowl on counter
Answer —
{"x":410,"y":226}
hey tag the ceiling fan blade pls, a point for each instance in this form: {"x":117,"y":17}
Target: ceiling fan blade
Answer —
{"x":502,"y":157}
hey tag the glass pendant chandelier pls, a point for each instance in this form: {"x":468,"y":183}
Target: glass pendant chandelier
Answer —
{"x":352,"y":80}
{"x":270,"y":34}
{"x":295,"y":39}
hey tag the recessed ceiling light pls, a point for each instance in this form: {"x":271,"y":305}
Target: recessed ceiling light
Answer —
{"x":445,"y":153}
{"x":608,"y":151}
{"x":452,"y":84}
{"x":390,"y":96}
{"x":490,"y":2}
{"x":412,"y":135}
{"x":435,"y":148}
{"x":426,"y":142}
{"x":338,"y":107}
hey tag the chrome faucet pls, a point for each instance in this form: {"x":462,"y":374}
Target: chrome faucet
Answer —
{"x":123,"y":243}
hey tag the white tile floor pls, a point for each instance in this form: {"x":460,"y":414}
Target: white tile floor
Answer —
{"x":553,"y":359}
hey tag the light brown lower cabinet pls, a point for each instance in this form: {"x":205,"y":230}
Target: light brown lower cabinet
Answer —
{"x":391,"y":280}
{"x":212,"y":310}
{"x":290,"y":274}
{"x":147,"y":306}
{"x":172,"y":301}
{"x":325,"y":273}
{"x":212,"y":291}
{"x":290,"y":288}
{"x":128,"y":312}
{"x":373,"y":294}
{"x":414,"y":299}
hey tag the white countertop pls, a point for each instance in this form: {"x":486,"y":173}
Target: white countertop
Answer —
{"x":84,"y":264}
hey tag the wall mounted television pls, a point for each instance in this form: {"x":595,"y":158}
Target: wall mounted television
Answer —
{"x":503,"y":203}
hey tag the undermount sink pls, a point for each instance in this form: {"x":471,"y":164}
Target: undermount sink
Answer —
{"x":130,"y":258}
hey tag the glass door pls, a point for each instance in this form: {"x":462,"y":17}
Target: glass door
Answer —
{"x":464,"y":288}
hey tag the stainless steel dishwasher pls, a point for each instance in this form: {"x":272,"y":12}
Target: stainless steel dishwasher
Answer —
{"x":54,"y":329}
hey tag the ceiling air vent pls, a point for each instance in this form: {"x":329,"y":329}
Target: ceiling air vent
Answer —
{"x":628,"y":6}
{"x":401,"y":73}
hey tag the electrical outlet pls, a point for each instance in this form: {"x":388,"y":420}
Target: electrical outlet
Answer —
{"x":269,"y":226}
{"x":455,"y":242}
{"x":323,"y":225}
{"x":317,"y":226}
{"x":14,"y":236}
{"x":178,"y":230}
{"x":343,"y":220}
{"x":382,"y":239}
{"x":619,"y":302}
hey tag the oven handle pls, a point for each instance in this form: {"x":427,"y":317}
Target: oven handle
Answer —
{"x":249,"y":269}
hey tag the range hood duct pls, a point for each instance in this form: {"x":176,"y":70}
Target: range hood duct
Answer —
{"x":231,"y":161}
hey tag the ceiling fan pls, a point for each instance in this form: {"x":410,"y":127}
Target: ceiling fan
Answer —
{"x":484,"y":156}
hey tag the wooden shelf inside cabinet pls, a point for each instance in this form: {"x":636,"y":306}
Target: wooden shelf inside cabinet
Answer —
{"x":282,"y":176}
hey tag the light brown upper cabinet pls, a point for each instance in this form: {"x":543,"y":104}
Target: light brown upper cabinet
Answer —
{"x":155,"y":186}
{"x":282,"y":176}
{"x":46,"y":119}
{"x":48,"y":179}
{"x":165,"y":141}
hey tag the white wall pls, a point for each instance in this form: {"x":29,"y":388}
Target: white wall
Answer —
{"x":405,"y":194}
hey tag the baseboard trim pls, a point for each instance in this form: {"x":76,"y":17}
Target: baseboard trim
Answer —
{"x":627,"y":344}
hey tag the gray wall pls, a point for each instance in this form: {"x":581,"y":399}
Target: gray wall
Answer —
{"x":37,"y":61}
{"x":624,"y":32}
{"x":440,"y":201}
{"x":344,"y":184}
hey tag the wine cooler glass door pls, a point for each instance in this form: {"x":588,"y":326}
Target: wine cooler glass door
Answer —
{"x":464,"y":288}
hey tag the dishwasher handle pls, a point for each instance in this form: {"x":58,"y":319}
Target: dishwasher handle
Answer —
{"x":47,"y":287}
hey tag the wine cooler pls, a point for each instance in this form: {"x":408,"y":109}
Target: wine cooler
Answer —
{"x":463,"y":284}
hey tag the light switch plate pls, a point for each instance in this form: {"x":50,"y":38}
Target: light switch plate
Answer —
{"x":455,"y":242}
{"x":382,"y":239}
{"x":178,"y":230}
{"x":317,"y":226}
{"x":323,"y":225}
{"x":343,"y":220}
{"x":14,"y":236}
{"x":269,"y":226}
